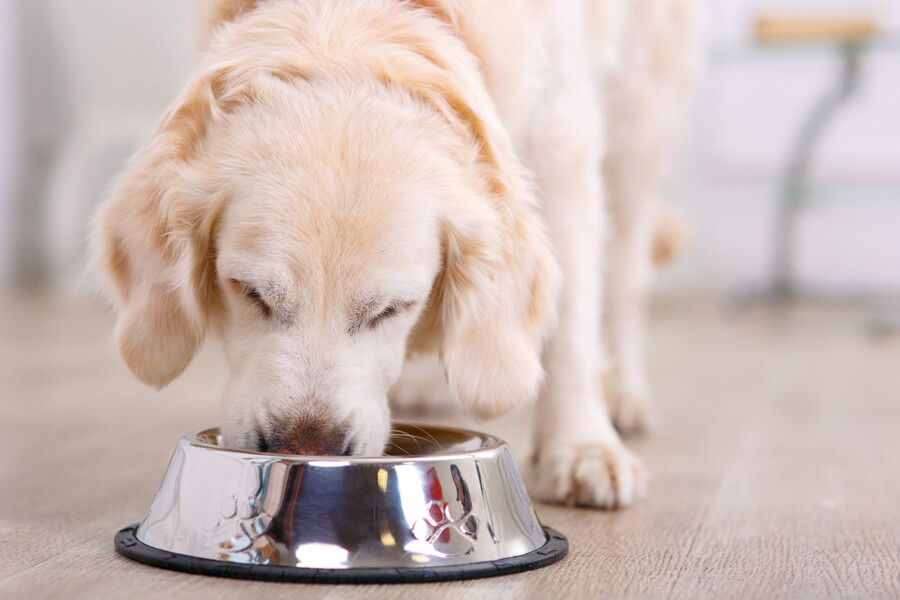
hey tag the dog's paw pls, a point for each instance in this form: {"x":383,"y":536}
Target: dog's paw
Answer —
{"x":631,"y":408}
{"x":596,"y":475}
{"x":422,"y":388}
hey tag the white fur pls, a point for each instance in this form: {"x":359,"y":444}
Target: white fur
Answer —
{"x":333,"y":157}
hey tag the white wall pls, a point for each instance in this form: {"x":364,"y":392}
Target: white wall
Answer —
{"x":92,"y":76}
{"x":9,"y":137}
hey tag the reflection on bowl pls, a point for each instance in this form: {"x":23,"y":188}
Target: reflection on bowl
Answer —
{"x":446,"y":504}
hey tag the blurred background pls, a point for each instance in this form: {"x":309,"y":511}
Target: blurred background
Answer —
{"x":776,"y":461}
{"x":82,"y":83}
{"x":750,"y":114}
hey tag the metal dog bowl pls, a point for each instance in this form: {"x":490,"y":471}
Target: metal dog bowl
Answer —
{"x":447,"y":504}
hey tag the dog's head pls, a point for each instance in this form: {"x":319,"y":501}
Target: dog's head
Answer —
{"x":323,"y":226}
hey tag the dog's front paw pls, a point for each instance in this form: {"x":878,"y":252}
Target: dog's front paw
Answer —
{"x":598,"y":475}
{"x":631,"y":407}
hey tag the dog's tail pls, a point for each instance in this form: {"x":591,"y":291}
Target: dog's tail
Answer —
{"x":671,"y":233}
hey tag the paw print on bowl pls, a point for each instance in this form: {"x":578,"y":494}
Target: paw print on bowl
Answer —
{"x":449,"y":527}
{"x":239,"y":527}
{"x":251,"y":520}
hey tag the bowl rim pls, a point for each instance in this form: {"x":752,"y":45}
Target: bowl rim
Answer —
{"x":555,"y":548}
{"x":490,"y":445}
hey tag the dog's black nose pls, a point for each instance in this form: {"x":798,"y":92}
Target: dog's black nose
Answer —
{"x":308,"y":437}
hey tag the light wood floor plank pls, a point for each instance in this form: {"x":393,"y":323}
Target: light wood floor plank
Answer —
{"x":776,"y":471}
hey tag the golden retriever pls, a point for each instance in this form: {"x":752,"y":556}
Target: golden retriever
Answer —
{"x":343,"y":183}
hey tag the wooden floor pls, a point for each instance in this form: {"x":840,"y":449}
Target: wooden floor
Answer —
{"x":776,"y":473}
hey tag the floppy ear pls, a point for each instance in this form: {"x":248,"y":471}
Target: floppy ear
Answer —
{"x":152,"y":239}
{"x":495,"y":298}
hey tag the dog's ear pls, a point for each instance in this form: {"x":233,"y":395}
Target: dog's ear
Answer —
{"x":497,"y":299}
{"x":494,"y":300}
{"x":152,"y":240}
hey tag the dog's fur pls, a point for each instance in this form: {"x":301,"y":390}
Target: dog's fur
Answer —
{"x":346,"y":182}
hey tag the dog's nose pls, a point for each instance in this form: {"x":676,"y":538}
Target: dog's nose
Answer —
{"x":309,"y":439}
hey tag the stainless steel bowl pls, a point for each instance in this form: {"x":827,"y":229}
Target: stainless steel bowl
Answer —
{"x":446,"y":504}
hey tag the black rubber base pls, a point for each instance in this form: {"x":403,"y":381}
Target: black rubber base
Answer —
{"x":128,"y":545}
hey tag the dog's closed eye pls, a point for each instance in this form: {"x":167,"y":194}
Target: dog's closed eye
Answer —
{"x":252,"y":294}
{"x":390,"y":311}
{"x":387,"y":313}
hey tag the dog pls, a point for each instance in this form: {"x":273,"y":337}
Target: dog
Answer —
{"x":346,"y":183}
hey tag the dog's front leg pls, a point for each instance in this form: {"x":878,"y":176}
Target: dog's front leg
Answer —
{"x":578,"y":455}
{"x":629,"y":268}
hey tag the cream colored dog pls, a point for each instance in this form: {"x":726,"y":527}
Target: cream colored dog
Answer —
{"x":346,"y":182}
